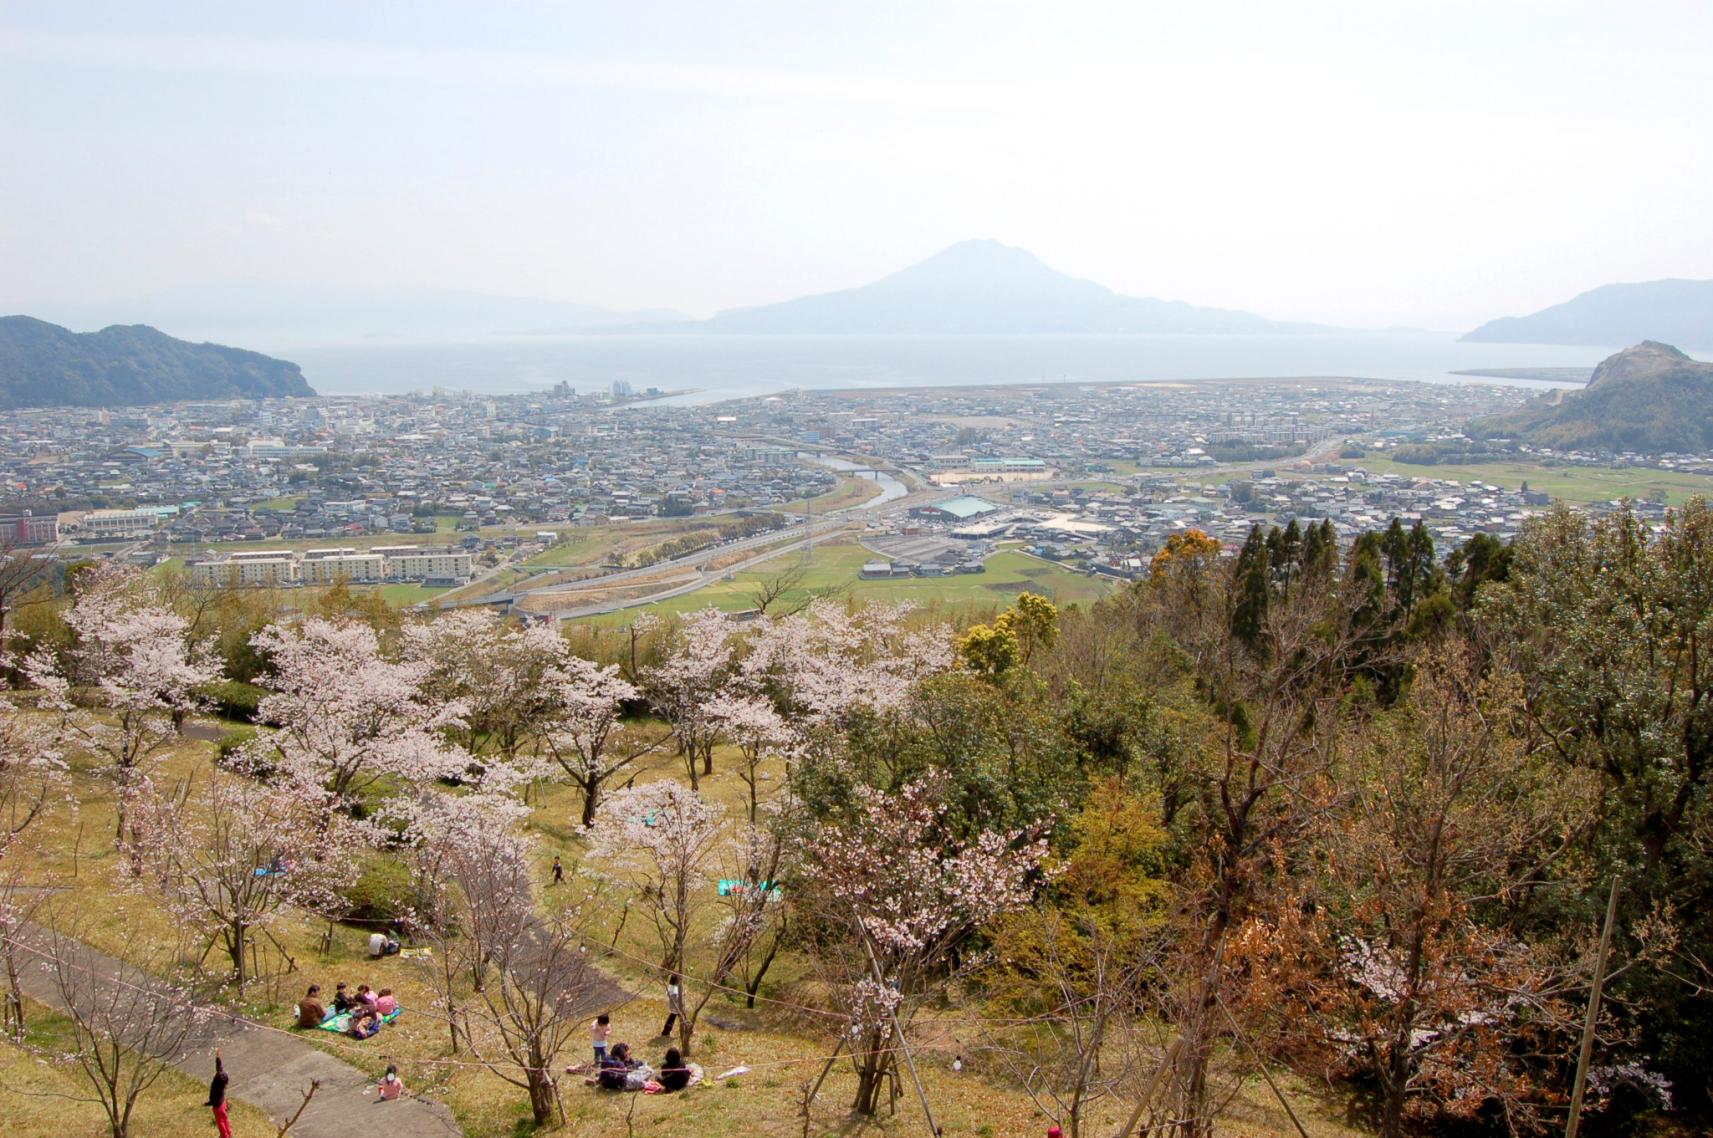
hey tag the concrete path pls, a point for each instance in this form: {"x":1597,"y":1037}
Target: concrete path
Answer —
{"x":271,"y":1069}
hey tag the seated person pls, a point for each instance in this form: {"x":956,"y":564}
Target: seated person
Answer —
{"x":385,"y":1004}
{"x":674,"y":1075}
{"x":366,"y":998}
{"x":615,"y":1069}
{"x":391,"y":1085}
{"x":365,"y":1024}
{"x":310,"y":1013}
{"x":343,"y":1000}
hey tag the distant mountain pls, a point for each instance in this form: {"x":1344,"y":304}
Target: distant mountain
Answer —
{"x":982,"y":286}
{"x":1650,"y":398}
{"x":44,"y":365}
{"x":274,"y":313}
{"x":1677,"y":311}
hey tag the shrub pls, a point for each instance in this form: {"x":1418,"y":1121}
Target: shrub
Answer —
{"x":228,"y":744}
{"x":382,"y":892}
{"x":233,"y":699}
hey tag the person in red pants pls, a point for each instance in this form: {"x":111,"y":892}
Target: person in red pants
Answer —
{"x":217,"y":1097}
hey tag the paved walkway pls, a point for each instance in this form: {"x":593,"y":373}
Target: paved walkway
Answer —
{"x":271,"y":1069}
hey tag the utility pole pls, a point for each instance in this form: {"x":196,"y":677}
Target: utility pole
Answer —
{"x":1587,"y":1050}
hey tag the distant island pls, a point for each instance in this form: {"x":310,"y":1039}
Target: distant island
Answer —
{"x":981,"y":287}
{"x":276,"y":313}
{"x":1651,"y":399}
{"x":1669,"y":311}
{"x":44,"y":365}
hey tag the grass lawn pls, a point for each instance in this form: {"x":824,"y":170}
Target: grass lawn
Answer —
{"x":403,"y":596}
{"x":285,"y":503}
{"x":833,"y":570}
{"x":40,"y":1093}
{"x":1574,"y":484}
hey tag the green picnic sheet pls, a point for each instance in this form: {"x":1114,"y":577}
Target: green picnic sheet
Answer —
{"x":342,"y":1021}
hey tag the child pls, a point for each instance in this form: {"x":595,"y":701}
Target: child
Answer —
{"x":391,"y":1085}
{"x":558,"y":870}
{"x":217,"y":1097}
{"x":385,"y":1005}
{"x":601,"y":1032}
{"x":343,"y":1001}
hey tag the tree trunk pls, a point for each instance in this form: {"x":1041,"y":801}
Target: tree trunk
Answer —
{"x":591,"y":799}
{"x":236,"y":941}
{"x":871,"y":1075}
{"x":541,"y":1095}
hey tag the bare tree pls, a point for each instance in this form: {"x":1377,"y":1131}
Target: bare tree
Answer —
{"x":127,"y":1029}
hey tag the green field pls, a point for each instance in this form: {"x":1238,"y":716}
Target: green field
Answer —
{"x":832,"y":571}
{"x":1575,"y":484}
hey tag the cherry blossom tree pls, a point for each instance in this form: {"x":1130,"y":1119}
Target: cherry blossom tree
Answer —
{"x":32,"y":769}
{"x":907,"y":895}
{"x":587,"y":738}
{"x":348,"y":717}
{"x":759,"y":732}
{"x":505,"y":678}
{"x":138,"y":657}
{"x":829,"y":661}
{"x":682,"y":685}
{"x":757,"y":920}
{"x":531,"y":980}
{"x":665,"y":840}
{"x":231,"y":857}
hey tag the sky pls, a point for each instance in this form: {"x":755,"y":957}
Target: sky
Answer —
{"x":1434,"y":163}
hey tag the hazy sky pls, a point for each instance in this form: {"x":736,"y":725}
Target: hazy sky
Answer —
{"x":1378,"y":161}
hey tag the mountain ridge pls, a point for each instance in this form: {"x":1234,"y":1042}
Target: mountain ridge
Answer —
{"x":45,"y":365}
{"x":285,"y":313}
{"x":1674,"y":310}
{"x":980,"y":287}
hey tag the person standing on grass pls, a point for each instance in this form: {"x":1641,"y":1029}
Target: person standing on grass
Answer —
{"x":558,"y":871}
{"x":217,"y":1097}
{"x":674,"y":1002}
{"x":599,"y":1034}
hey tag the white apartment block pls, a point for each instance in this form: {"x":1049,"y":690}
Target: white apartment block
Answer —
{"x":325,"y":566}
{"x":280,"y":567}
{"x":262,"y":568}
{"x":423,"y":562}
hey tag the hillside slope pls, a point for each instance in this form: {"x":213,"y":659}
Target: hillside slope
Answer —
{"x":44,"y":365}
{"x":1650,"y":398}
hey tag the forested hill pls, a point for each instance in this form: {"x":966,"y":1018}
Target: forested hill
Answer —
{"x":1650,"y":398}
{"x":44,"y":365}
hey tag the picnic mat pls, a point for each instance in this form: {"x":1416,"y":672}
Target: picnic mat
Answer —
{"x":342,"y":1021}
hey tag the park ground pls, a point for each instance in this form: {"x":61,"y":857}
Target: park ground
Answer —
{"x":783,"y":1041}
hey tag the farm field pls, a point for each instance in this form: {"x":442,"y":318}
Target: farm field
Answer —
{"x":1575,"y":484}
{"x":833,"y":570}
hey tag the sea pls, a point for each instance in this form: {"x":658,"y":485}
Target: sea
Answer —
{"x":720,"y":367}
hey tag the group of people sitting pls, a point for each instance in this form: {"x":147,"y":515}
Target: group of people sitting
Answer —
{"x":616,"y":1069}
{"x":359,"y":1014}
